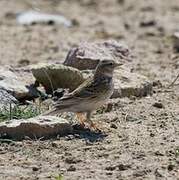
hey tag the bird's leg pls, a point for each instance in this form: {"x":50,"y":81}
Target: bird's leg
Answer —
{"x":88,"y":119}
{"x":81,"y":118}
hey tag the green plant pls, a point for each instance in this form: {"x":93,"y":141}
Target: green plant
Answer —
{"x":19,"y":112}
{"x":59,"y":177}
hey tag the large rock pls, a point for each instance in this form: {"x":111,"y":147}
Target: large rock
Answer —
{"x":38,"y":127}
{"x":54,"y":76}
{"x":6,"y":99}
{"x":14,"y":84}
{"x":128,"y":84}
{"x":87,"y":55}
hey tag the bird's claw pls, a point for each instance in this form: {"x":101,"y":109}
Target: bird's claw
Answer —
{"x":94,"y":127}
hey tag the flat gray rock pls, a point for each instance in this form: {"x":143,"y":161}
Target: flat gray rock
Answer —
{"x":10,"y":82}
{"x":128,"y":84}
{"x":18,"y":83}
{"x":54,"y":76}
{"x":87,"y":55}
{"x":38,"y":127}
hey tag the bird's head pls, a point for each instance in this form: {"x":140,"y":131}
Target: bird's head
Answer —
{"x":106,"y":68}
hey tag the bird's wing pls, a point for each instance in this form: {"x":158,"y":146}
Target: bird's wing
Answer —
{"x":85,"y":91}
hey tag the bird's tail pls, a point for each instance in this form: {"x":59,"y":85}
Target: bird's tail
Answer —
{"x":52,"y":112}
{"x":56,"y":109}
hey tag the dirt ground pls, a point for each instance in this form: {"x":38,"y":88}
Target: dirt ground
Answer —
{"x":141,"y":141}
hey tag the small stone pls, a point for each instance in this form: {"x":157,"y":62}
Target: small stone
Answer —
{"x":69,"y":137}
{"x":131,"y":118}
{"x":71,"y":160}
{"x":158,"y":105}
{"x":152,"y":134}
{"x":71,"y":168}
{"x":147,"y":23}
{"x":170,"y":167}
{"x":157,"y":83}
{"x":23,"y":62}
{"x":159,"y":173}
{"x":113,"y":126}
{"x":121,"y":2}
{"x":109,"y":173}
{"x":54,"y":144}
{"x":159,"y":153}
{"x":123,"y":167}
{"x":109,"y":107}
{"x":110,"y":168}
{"x":35,"y":168}
{"x":58,"y":93}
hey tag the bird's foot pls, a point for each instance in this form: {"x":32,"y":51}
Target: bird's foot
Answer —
{"x":95,"y":127}
{"x":81,"y":119}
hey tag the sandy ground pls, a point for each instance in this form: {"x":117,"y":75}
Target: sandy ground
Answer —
{"x":141,"y":141}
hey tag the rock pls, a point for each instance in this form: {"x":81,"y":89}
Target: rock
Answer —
{"x":113,"y":126}
{"x":87,"y":55}
{"x":54,"y":76}
{"x":170,"y":167}
{"x":35,"y":168}
{"x":72,"y":160}
{"x":158,"y":105}
{"x":38,"y":127}
{"x":58,"y":93}
{"x":110,"y":168}
{"x":14,"y":84}
{"x":175,"y":39}
{"x":71,"y":168}
{"x":6,"y":99}
{"x":23,"y":62}
{"x":121,"y":2}
{"x":131,"y":118}
{"x":34,"y":17}
{"x":157,"y":83}
{"x":148,"y":23}
{"x":123,"y":167}
{"x":128,"y":84}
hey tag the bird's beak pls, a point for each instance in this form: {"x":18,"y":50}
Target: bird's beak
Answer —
{"x":118,"y":64}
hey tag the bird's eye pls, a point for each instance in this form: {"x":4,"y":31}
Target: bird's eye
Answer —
{"x":111,"y":64}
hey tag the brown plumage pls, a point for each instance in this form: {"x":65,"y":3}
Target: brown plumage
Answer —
{"x":90,"y":95}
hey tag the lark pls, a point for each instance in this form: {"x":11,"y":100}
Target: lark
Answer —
{"x":90,"y":95}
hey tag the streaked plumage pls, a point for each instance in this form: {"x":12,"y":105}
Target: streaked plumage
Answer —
{"x":91,"y":94}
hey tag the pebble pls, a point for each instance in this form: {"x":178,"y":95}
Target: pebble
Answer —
{"x":158,"y":105}
{"x":113,"y":126}
{"x":35,"y":168}
{"x":71,"y":168}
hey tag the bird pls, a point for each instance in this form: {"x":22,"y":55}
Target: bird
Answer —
{"x":90,"y":95}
